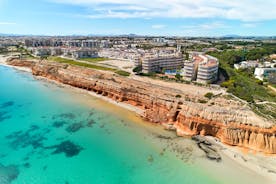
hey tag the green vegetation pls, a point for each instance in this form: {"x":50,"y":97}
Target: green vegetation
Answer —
{"x":186,"y":56}
{"x":242,"y":83}
{"x":202,"y":101}
{"x":93,"y":60}
{"x":151,"y":74}
{"x":178,"y":76}
{"x":209,"y":95}
{"x":137,"y":69}
{"x":97,"y":67}
{"x":60,"y":59}
{"x":72,"y":62}
{"x":123,"y":73}
{"x":267,"y":110}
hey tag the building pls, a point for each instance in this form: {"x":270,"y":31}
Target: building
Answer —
{"x":91,"y":43}
{"x":264,"y":73}
{"x":84,"y":53}
{"x":161,"y":62}
{"x":121,"y":54}
{"x":208,"y":70}
{"x":202,"y":68}
{"x":189,"y":71}
{"x":74,"y":43}
{"x":56,"y":51}
{"x":41,"y":51}
{"x":246,"y":64}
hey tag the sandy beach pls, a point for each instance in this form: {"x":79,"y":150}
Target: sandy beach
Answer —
{"x":259,"y":164}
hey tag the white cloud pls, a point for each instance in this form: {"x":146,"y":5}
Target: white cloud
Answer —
{"x":249,"y":25}
{"x":245,"y":10}
{"x":158,"y":26}
{"x":206,"y":26}
{"x":7,"y":23}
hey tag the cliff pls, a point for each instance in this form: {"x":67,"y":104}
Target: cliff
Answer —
{"x":230,"y":121}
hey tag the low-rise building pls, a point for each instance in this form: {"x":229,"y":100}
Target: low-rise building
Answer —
{"x":41,"y":51}
{"x":85,"y":53}
{"x":56,"y":51}
{"x":246,"y":64}
{"x":264,"y":73}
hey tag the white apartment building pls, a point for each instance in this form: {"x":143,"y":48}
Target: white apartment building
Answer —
{"x":208,"y":70}
{"x":121,"y":54}
{"x":160,"y":62}
{"x":84,"y":53}
{"x":263,"y":73}
{"x":41,"y":51}
{"x":246,"y":64}
{"x":202,"y":68}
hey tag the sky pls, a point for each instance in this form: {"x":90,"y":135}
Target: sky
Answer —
{"x":142,"y":17}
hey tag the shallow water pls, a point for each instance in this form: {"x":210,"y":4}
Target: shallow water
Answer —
{"x":51,"y":134}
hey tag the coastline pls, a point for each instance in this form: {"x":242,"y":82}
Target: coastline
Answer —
{"x":231,"y":152}
{"x":259,"y":163}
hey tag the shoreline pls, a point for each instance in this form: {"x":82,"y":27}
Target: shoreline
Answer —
{"x":259,"y":163}
{"x":231,"y":152}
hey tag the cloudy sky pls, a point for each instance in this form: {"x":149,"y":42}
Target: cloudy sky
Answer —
{"x":145,"y":17}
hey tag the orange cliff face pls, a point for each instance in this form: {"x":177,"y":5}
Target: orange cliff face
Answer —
{"x":233,"y":123}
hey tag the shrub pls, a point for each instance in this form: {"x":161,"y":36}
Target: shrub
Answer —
{"x":178,"y":76}
{"x":178,"y":96}
{"x":122,"y":73}
{"x":209,"y":95}
{"x":202,"y":101}
{"x":259,"y":82}
{"x":137,"y":69}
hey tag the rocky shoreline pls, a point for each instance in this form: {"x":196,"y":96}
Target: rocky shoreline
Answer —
{"x":231,"y":122}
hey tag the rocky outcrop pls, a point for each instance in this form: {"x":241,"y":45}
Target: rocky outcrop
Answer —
{"x":207,"y":147}
{"x":231,"y":122}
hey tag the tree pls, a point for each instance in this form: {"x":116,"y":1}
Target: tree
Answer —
{"x":178,"y":76}
{"x":137,"y":69}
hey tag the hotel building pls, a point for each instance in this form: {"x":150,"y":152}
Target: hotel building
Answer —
{"x":202,"y":68}
{"x":160,"y":62}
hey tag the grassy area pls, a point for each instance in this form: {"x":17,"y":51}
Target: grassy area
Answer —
{"x":73,"y":62}
{"x":93,"y":60}
{"x":97,"y":67}
{"x":28,"y":56}
{"x":123,"y":73}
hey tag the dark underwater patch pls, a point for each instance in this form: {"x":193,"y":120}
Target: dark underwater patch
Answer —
{"x":8,"y":173}
{"x":4,"y":116}
{"x":58,"y":124}
{"x":31,"y":137}
{"x":91,"y":114}
{"x":7,"y":104}
{"x":65,"y":115}
{"x":27,"y":165}
{"x":3,"y":155}
{"x":43,"y":117}
{"x":74,"y":127}
{"x":90,"y":123}
{"x":44,"y":168}
{"x":67,"y":147}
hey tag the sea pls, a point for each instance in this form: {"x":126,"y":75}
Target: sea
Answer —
{"x":52,"y":134}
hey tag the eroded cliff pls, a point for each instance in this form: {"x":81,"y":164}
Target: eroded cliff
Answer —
{"x":229,"y":120}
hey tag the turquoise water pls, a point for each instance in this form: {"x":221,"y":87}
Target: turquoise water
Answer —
{"x":49,"y":134}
